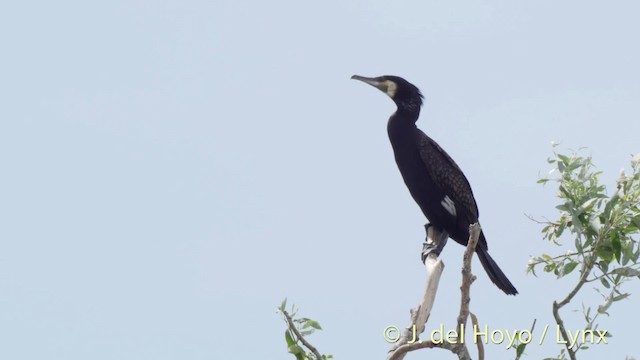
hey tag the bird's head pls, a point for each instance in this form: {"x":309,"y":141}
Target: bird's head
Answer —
{"x":406,"y":95}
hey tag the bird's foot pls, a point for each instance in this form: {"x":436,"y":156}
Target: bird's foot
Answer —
{"x":435,"y":242}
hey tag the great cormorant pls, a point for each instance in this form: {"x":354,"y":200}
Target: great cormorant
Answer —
{"x":434,"y":180}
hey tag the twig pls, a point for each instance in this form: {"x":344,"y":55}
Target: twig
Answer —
{"x":568,"y":254}
{"x":558,"y":305}
{"x":583,"y":279}
{"x":304,"y":342}
{"x":533,"y":326}
{"x":546,"y":222}
{"x":477,"y":340}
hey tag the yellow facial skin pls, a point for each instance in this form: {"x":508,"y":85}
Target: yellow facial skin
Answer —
{"x":390,"y":88}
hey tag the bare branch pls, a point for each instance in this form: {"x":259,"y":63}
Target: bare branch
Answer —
{"x":583,"y":278}
{"x":557,"y":305}
{"x":563,"y":331}
{"x":420,"y":315}
{"x":467,"y":276}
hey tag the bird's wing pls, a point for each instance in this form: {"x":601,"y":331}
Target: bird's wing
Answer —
{"x":448,"y":176}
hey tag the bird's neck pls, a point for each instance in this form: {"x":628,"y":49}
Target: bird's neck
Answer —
{"x":400,"y":127}
{"x":402,"y":124}
{"x":405,"y":117}
{"x":409,"y":108}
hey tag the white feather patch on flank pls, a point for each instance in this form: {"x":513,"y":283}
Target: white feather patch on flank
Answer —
{"x":448,"y":205}
{"x":392,"y":88}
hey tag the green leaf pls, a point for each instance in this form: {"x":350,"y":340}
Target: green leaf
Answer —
{"x":605,"y":252}
{"x":288,"y":338}
{"x":609,"y":206}
{"x":620,"y":297}
{"x":578,"y":223}
{"x":587,"y":313}
{"x":588,"y":241}
{"x":587,"y":204}
{"x":520,"y":349}
{"x":560,"y":229}
{"x":635,"y":255}
{"x":314,"y":324}
{"x":296,"y":350}
{"x":603,"y":266}
{"x":595,"y":224}
{"x":568,"y":268}
{"x":605,"y":283}
{"x":549,"y":267}
{"x":532,"y":268}
{"x":616,"y":246}
{"x":626,"y":271}
{"x":283,"y":305}
{"x":561,"y":166}
{"x":627,"y":252}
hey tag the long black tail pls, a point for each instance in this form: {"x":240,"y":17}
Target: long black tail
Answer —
{"x":493,"y":270}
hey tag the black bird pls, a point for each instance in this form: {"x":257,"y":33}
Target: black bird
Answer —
{"x":434,"y":180}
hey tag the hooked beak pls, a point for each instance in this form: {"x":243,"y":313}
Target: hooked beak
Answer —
{"x":375,"y":82}
{"x":386,"y":86}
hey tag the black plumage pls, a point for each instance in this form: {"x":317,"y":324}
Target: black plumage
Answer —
{"x":434,"y":180}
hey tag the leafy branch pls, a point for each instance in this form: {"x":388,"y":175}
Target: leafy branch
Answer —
{"x":297,"y":329}
{"x":604,"y":230}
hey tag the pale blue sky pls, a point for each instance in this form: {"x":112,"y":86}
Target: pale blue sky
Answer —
{"x":173,"y":170}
